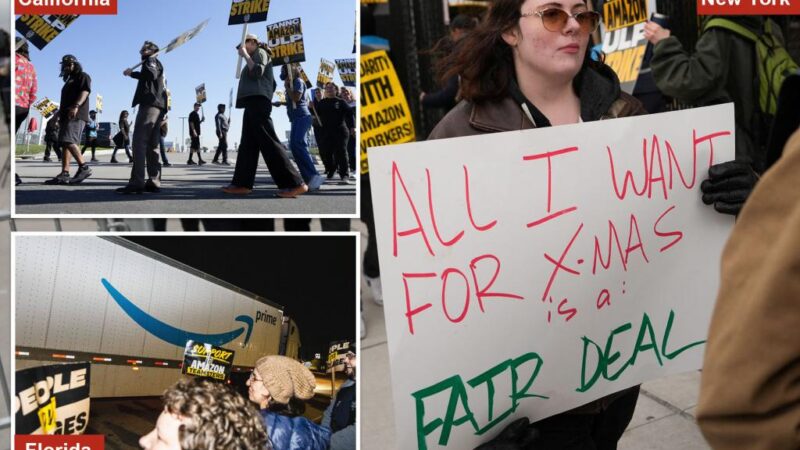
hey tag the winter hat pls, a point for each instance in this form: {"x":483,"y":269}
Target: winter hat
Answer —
{"x":285,"y":378}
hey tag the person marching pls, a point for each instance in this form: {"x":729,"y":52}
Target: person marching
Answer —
{"x":91,"y":134}
{"x":121,"y":139}
{"x":74,"y":113}
{"x":337,"y":126}
{"x":300,"y":118}
{"x":222,"y":124}
{"x":151,"y":98}
{"x":194,"y":134}
{"x":51,"y":138}
{"x":256,"y":87}
{"x":162,"y":129}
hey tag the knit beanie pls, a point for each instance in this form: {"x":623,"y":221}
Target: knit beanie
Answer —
{"x":285,"y":378}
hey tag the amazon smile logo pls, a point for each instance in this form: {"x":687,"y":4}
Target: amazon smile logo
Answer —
{"x":173,"y":335}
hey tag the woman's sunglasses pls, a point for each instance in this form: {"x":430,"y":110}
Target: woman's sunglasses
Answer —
{"x":555,"y":19}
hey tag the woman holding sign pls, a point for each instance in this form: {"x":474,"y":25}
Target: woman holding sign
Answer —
{"x":527,"y":66}
{"x":256,"y":87}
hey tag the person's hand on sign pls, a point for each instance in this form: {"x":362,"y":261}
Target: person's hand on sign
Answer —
{"x":243,"y":52}
{"x":728,"y":186}
{"x":655,"y":33}
{"x":518,"y":435}
{"x":127,"y":72}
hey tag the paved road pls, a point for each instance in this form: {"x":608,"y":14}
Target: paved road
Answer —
{"x":185,"y":190}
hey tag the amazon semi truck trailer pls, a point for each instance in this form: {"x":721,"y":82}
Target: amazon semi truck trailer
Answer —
{"x":129,"y":311}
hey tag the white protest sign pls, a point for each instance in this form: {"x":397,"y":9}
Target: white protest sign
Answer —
{"x":531,"y":272}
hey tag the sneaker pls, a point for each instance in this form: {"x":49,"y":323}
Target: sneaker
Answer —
{"x":343,"y":180}
{"x":151,"y":187}
{"x":363,"y":328}
{"x":375,"y":285}
{"x":215,"y":162}
{"x":226,"y":163}
{"x":83,"y":173}
{"x":47,"y":160}
{"x":129,"y":190}
{"x":330,"y":175}
{"x":95,"y":160}
{"x":166,"y":164}
{"x":352,"y":176}
{"x":114,"y":161}
{"x":62,"y":178}
{"x":201,"y":162}
{"x":315,"y":183}
{"x":293,"y":192}
{"x":190,"y":163}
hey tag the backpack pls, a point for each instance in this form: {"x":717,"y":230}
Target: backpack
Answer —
{"x":774,"y":62}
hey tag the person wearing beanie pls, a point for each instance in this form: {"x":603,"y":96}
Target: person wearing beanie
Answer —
{"x":279,"y":385}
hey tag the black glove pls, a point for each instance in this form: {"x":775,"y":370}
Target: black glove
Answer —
{"x":518,"y":435}
{"x":728,"y":186}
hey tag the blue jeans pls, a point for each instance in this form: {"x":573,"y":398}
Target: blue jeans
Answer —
{"x":298,"y":144}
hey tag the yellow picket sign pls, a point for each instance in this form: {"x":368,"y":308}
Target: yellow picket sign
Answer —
{"x":385,"y":115}
{"x":47,"y":416}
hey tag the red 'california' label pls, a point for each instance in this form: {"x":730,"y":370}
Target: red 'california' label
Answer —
{"x":43,"y":7}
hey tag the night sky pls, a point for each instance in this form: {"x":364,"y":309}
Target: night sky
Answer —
{"x":312,"y":277}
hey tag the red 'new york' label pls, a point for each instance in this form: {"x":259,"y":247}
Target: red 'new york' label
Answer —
{"x":747,"y":7}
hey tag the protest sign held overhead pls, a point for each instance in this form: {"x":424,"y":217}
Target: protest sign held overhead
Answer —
{"x":336,"y":355}
{"x":302,"y":73}
{"x":385,"y":116}
{"x":248,"y":11}
{"x":285,"y":39}
{"x":185,"y":37}
{"x":41,"y":30}
{"x":623,"y":37}
{"x":578,"y":260}
{"x":52,"y":399}
{"x":200,"y":93}
{"x":46,"y":107}
{"x":207,"y":361}
{"x":280,"y":97}
{"x":325,"y":74}
{"x":347,"y":71}
{"x":98,"y":103}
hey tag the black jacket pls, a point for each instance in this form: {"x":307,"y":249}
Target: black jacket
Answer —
{"x":150,"y":89}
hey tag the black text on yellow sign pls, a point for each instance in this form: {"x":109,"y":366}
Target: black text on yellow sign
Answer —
{"x":626,"y":63}
{"x":47,"y":416}
{"x":623,"y":13}
{"x":41,"y":30}
{"x":248,"y":11}
{"x":325,"y":74}
{"x":218,"y":354}
{"x":45,"y":107}
{"x":385,"y":116}
{"x":285,"y":39}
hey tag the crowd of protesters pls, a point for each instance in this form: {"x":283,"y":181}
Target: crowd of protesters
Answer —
{"x":333,"y":120}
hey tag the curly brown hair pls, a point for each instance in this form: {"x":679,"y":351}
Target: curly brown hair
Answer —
{"x":218,"y":417}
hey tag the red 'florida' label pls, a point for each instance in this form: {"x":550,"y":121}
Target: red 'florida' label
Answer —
{"x":59,"y":442}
